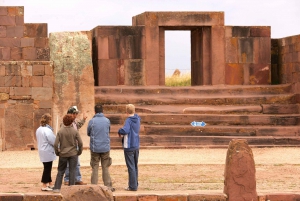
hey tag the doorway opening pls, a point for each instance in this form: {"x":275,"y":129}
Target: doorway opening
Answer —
{"x":178,"y":58}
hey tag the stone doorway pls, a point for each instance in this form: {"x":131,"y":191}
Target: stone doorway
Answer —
{"x":178,"y":58}
{"x":200,"y":39}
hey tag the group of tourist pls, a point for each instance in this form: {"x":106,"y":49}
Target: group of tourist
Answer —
{"x":67,"y":144}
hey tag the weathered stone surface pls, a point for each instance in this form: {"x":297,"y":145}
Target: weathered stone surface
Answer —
{"x":239,"y":175}
{"x":19,"y":132}
{"x":134,"y":72}
{"x":181,"y":197}
{"x":147,"y":198}
{"x":88,"y":192}
{"x":11,"y":197}
{"x":35,"y":30}
{"x":207,"y":197}
{"x":4,"y":96}
{"x":73,"y":75}
{"x":42,"y":197}
{"x":234,"y":74}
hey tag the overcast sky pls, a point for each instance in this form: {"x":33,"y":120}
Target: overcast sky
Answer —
{"x":82,"y":15}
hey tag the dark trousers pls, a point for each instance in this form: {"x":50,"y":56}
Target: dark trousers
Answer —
{"x":62,"y":166}
{"x":46,"y":177}
{"x":132,"y":159}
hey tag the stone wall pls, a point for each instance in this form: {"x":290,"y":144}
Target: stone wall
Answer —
{"x":26,"y":78}
{"x":286,"y":61}
{"x":21,"y":41}
{"x":248,"y":55}
{"x":26,"y":91}
{"x":119,"y":55}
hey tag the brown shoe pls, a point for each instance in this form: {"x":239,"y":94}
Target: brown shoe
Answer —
{"x":66,"y":183}
{"x":80,"y":183}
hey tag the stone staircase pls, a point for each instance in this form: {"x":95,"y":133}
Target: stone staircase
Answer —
{"x":264,"y":115}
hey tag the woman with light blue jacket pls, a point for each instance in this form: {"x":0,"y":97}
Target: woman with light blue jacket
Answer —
{"x":45,"y":140}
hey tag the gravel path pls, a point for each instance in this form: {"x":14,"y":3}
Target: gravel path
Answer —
{"x":30,"y":159}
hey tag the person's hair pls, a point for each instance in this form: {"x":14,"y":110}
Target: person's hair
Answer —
{"x":130,"y":109}
{"x":68,"y":119}
{"x":98,"y":108}
{"x":45,"y":119}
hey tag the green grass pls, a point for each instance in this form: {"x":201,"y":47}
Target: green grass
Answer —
{"x":178,"y":81}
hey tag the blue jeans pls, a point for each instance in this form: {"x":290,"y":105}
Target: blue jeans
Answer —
{"x":62,"y":166}
{"x":132,"y":159}
{"x":77,"y":174}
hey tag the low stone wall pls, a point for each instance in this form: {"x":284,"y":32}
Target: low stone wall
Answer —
{"x":152,"y":196}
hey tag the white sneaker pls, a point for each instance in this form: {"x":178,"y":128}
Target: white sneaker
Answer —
{"x":56,"y":191}
{"x":47,"y":189}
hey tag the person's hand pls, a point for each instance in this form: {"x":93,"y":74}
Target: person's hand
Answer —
{"x":119,"y":135}
{"x":84,"y":116}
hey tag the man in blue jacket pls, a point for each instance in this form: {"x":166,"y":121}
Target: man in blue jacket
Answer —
{"x":131,"y":145}
{"x":98,"y":130}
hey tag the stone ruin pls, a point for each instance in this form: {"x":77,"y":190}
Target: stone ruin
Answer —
{"x":41,"y":74}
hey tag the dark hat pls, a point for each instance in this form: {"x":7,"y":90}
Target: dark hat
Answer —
{"x":73,"y":110}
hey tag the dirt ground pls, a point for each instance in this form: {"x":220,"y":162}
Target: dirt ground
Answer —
{"x":277,"y":170}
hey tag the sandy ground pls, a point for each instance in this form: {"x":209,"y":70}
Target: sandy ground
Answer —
{"x":277,"y":169}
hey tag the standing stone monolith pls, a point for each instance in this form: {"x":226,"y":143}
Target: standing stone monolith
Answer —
{"x":73,"y":76}
{"x":239,"y":175}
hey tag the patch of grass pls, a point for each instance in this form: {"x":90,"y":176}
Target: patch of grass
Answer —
{"x":178,"y":81}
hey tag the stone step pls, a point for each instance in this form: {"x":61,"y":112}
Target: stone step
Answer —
{"x":214,"y":130}
{"x":208,"y":141}
{"x":259,"y":131}
{"x":197,"y":90}
{"x":208,"y":109}
{"x":211,"y":119}
{"x":116,"y":99}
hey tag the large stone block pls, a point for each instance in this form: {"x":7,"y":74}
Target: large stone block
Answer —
{"x":262,"y":50}
{"x":147,"y":198}
{"x":234,"y":74}
{"x":259,"y":74}
{"x":179,"y":18}
{"x":11,"y":197}
{"x":29,"y":53}
{"x":5,"y":54}
{"x":27,"y":42}
{"x":10,"y":42}
{"x":19,"y":132}
{"x":2,"y":31}
{"x":218,"y":55}
{"x":15,"y":31}
{"x":107,"y":72}
{"x":207,"y":197}
{"x":239,"y":175}
{"x":20,"y":91}
{"x":43,"y":54}
{"x":73,"y":75}
{"x":174,"y":197}
{"x":240,"y":31}
{"x":3,"y":10}
{"x":7,"y":21}
{"x":42,"y":42}
{"x":264,"y":31}
{"x":231,"y":53}
{"x":35,"y":30}
{"x":89,"y":192}
{"x":16,"y":53}
{"x":42,"y":93}
{"x":42,"y":197}
{"x":134,"y":72}
{"x":13,"y":81}
{"x":246,"y":50}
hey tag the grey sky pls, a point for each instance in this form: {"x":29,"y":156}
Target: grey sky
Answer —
{"x":83,"y":15}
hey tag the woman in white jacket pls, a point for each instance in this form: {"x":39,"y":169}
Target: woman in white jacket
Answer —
{"x":45,"y":140}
